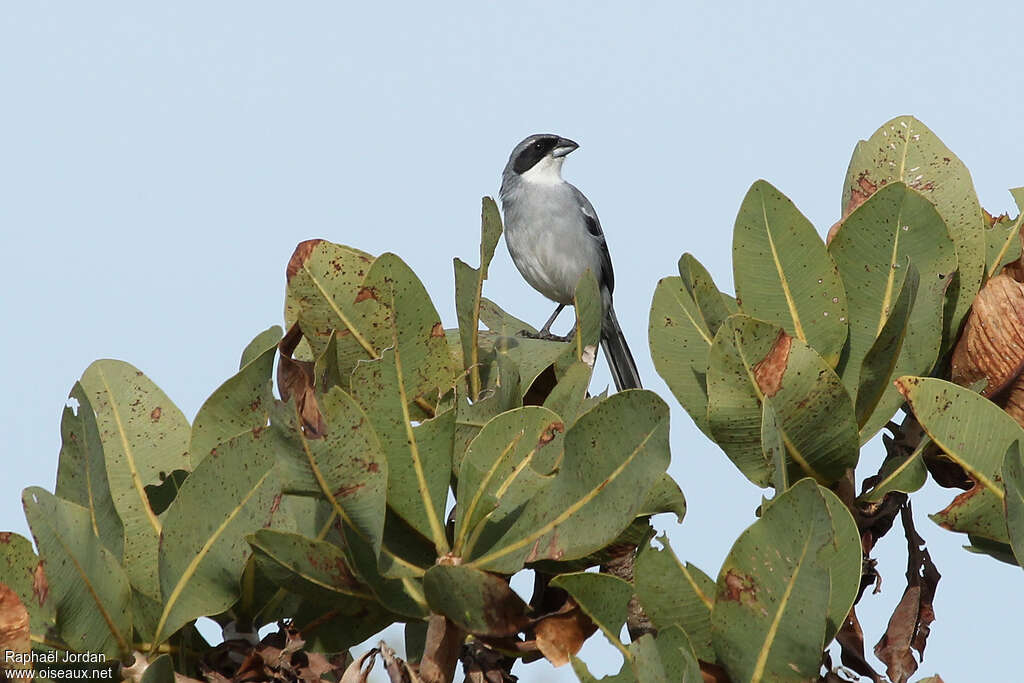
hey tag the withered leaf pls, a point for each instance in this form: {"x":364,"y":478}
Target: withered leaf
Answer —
{"x":909,"y":625}
{"x":562,"y":633}
{"x":14,"y":624}
{"x":295,"y":379}
{"x":991,"y":346}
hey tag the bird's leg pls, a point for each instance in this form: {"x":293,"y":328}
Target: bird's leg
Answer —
{"x":545,"y":332}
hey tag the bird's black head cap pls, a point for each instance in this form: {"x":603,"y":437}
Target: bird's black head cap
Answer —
{"x":534,"y":148}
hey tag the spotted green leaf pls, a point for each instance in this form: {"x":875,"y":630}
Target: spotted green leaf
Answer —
{"x":143,"y":434}
{"x":785,"y":275}
{"x":905,"y":150}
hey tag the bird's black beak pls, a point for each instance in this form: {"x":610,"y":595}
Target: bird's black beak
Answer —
{"x":563,"y":147}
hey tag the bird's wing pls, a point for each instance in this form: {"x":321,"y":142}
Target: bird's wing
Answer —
{"x":606,"y":277}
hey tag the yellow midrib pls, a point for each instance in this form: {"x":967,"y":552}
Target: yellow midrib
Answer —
{"x":129,"y":455}
{"x":479,"y":493}
{"x":436,"y":530}
{"x":190,"y":570}
{"x":693,"y":322}
{"x":571,"y":510}
{"x":762,"y":659}
{"x":121,"y":643}
{"x":791,"y":448}
{"x":367,"y":346}
{"x":1011,"y":236}
{"x":797,"y":327}
{"x":890,"y":282}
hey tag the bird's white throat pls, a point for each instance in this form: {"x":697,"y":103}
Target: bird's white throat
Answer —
{"x":547,"y":171}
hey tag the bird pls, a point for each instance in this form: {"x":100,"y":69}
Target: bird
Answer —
{"x":553,"y":235}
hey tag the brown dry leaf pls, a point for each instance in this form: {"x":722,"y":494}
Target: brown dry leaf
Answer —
{"x":712,"y":673}
{"x":441,"y":651}
{"x":481,"y":664}
{"x":253,"y":670}
{"x":851,"y":642}
{"x":991,"y":346}
{"x":359,"y":670}
{"x":909,"y":625}
{"x":562,"y":633}
{"x":1014,"y":402}
{"x":15,"y":635}
{"x":295,"y":378}
{"x":398,"y":670}
{"x":769,"y":371}
{"x":857,"y":197}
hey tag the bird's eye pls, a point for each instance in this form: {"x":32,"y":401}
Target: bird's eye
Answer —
{"x":538,"y":145}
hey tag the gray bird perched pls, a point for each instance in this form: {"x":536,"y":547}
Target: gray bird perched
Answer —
{"x":554,"y":235}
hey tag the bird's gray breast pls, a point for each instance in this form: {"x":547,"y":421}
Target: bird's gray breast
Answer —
{"x":547,"y":237}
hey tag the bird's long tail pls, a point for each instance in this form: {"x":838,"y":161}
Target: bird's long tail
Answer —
{"x":616,"y":350}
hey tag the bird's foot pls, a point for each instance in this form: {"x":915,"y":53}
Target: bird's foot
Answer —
{"x":547,"y":335}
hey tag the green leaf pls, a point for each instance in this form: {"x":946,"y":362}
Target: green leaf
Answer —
{"x":878,"y":398}
{"x":399,"y":595}
{"x":751,"y":360}
{"x":160,"y":670}
{"x":871,"y":250}
{"x":680,"y":341}
{"x":415,"y":641}
{"x":771,"y":606}
{"x":330,"y":628}
{"x":503,"y":393}
{"x":500,"y":321}
{"x":18,"y":569}
{"x":613,"y":455}
{"x":1013,"y":480}
{"x":325,"y":293}
{"x":665,"y":658}
{"x":974,"y":433}
{"x":905,"y":150}
{"x":976,"y":512}
{"x":844,"y":561}
{"x":416,"y":366}
{"x":414,"y":330}
{"x":785,"y":275}
{"x":469,"y":283}
{"x":971,"y":430}
{"x":82,"y":472}
{"x":498,"y":468}
{"x":994,"y":549}
{"x":664,"y":496}
{"x":603,"y":598}
{"x":588,"y":305}
{"x":478,"y":602}
{"x":676,"y":594}
{"x":143,"y":434}
{"x":419,"y":458}
{"x":346,"y":467}
{"x":906,"y":474}
{"x":773,"y":446}
{"x":202,"y":548}
{"x":89,"y":588}
{"x":1002,"y":243}
{"x":313,"y":568}
{"x":714,"y":306}
{"x":260,"y":343}
{"x":241,"y":405}
{"x":579,"y":667}
{"x":531,"y":357}
{"x":567,"y":397}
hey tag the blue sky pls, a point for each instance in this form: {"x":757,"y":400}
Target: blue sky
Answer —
{"x":160,"y":162}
